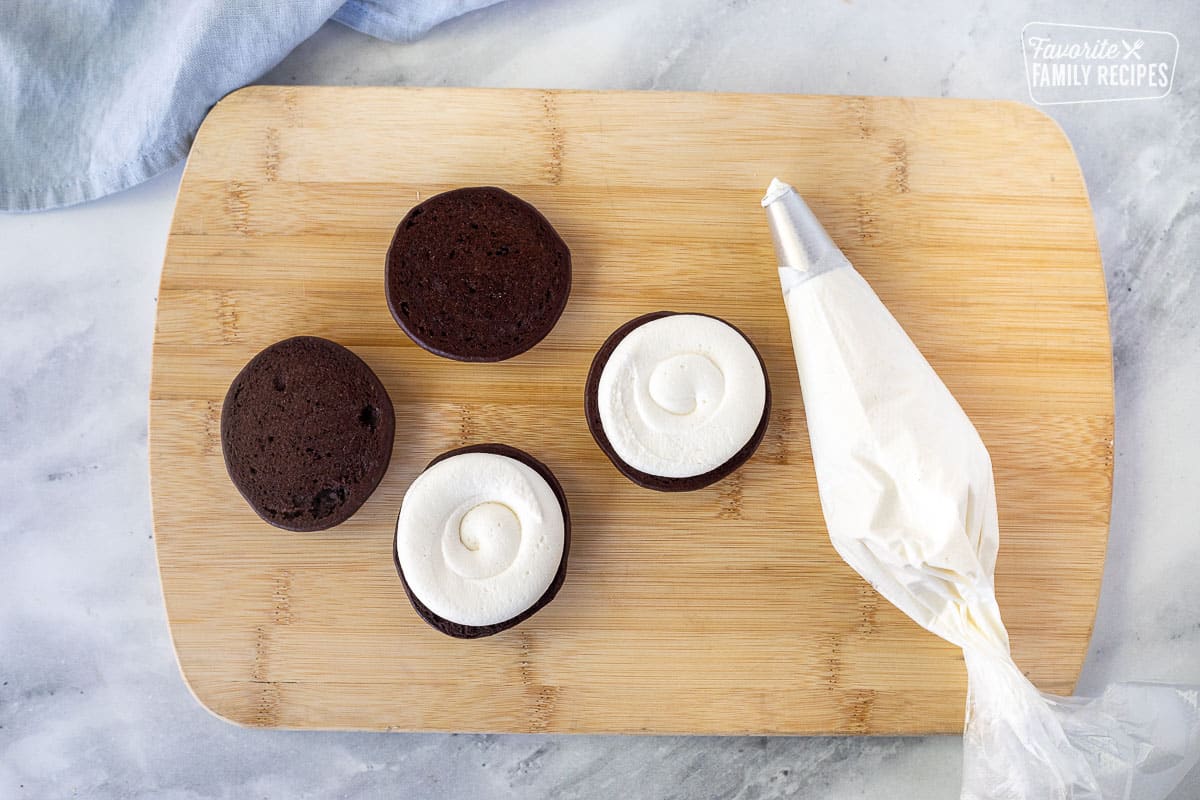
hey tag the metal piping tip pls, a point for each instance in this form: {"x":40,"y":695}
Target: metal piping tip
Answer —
{"x":801,"y":242}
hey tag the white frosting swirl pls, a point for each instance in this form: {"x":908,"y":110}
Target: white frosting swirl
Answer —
{"x":681,"y":395}
{"x":480,"y":538}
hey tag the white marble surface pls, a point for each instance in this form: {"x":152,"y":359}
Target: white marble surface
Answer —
{"x":91,"y":702}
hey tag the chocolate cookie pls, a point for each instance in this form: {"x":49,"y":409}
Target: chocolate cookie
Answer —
{"x":306,"y":429}
{"x":477,"y":274}
{"x":460,"y":630}
{"x":688,"y":382}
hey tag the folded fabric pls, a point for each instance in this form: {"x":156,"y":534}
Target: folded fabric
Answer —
{"x":99,"y":95}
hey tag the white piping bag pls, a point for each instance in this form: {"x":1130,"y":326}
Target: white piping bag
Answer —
{"x":907,"y":493}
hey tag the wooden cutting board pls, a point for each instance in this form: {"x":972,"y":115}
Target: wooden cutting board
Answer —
{"x":720,"y":611}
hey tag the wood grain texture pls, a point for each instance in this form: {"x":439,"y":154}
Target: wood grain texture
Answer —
{"x":720,"y":611}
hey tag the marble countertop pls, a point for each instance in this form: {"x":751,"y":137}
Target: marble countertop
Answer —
{"x":91,"y":701}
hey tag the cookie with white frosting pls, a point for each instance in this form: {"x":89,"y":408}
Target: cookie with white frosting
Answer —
{"x":477,"y":274}
{"x":677,"y":401}
{"x":482,"y":540}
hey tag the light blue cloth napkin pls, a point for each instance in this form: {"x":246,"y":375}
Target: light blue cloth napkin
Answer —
{"x":99,"y":95}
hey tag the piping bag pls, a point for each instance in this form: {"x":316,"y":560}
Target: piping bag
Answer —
{"x":908,"y":498}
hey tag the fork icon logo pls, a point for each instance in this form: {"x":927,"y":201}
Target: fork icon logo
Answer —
{"x":1132,"y":49}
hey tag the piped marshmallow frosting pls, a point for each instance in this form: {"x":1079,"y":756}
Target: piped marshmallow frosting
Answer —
{"x":480,"y":538}
{"x":681,"y":395}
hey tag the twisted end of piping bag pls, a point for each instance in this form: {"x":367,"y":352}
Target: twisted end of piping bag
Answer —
{"x":802,"y":245}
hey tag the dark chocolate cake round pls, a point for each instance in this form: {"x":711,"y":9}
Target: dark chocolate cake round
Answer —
{"x":477,"y":274}
{"x":306,"y":430}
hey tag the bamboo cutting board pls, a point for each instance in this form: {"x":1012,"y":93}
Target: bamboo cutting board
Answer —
{"x":720,"y":611}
